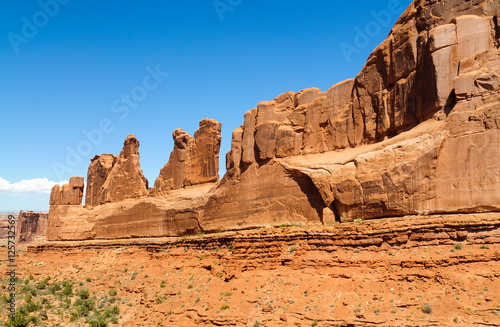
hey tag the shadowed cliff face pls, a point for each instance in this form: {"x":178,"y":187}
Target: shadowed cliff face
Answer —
{"x":416,"y":132}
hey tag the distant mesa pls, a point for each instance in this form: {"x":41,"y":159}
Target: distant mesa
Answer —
{"x":31,"y":227}
{"x":4,"y":223}
{"x":416,"y":132}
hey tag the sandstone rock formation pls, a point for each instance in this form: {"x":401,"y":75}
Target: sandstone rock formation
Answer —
{"x":31,"y":227}
{"x":406,"y":80}
{"x":263,"y":196}
{"x":437,"y":68}
{"x":194,"y":160}
{"x":172,"y":215}
{"x":98,"y":172}
{"x":4,"y":223}
{"x":117,"y":202}
{"x":68,"y":194}
{"x":125,"y":180}
{"x":417,"y":132}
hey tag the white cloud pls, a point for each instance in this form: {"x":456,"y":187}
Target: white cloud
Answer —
{"x":35,"y":185}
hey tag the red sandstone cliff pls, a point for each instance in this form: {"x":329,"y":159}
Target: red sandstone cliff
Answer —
{"x":4,"y":223}
{"x":68,"y":194}
{"x":125,"y":180}
{"x":416,"y":132}
{"x":31,"y":227}
{"x":194,"y":160}
{"x":99,"y":170}
{"x":119,"y":203}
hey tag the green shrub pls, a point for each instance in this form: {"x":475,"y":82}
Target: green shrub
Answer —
{"x":67,"y":288}
{"x":427,"y":308}
{"x":83,"y":306}
{"x":112,"y":292}
{"x":113,"y":311}
{"x":83,"y":294}
{"x":55,"y":288}
{"x":80,"y":311}
{"x":20,"y":319}
{"x":43,"y":284}
{"x":97,"y":321}
{"x":31,"y":306}
{"x":66,"y":304}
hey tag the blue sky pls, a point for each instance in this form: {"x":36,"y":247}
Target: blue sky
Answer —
{"x":78,"y":76}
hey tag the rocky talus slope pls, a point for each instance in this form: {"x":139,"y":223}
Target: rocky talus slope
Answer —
{"x":436,"y":270}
